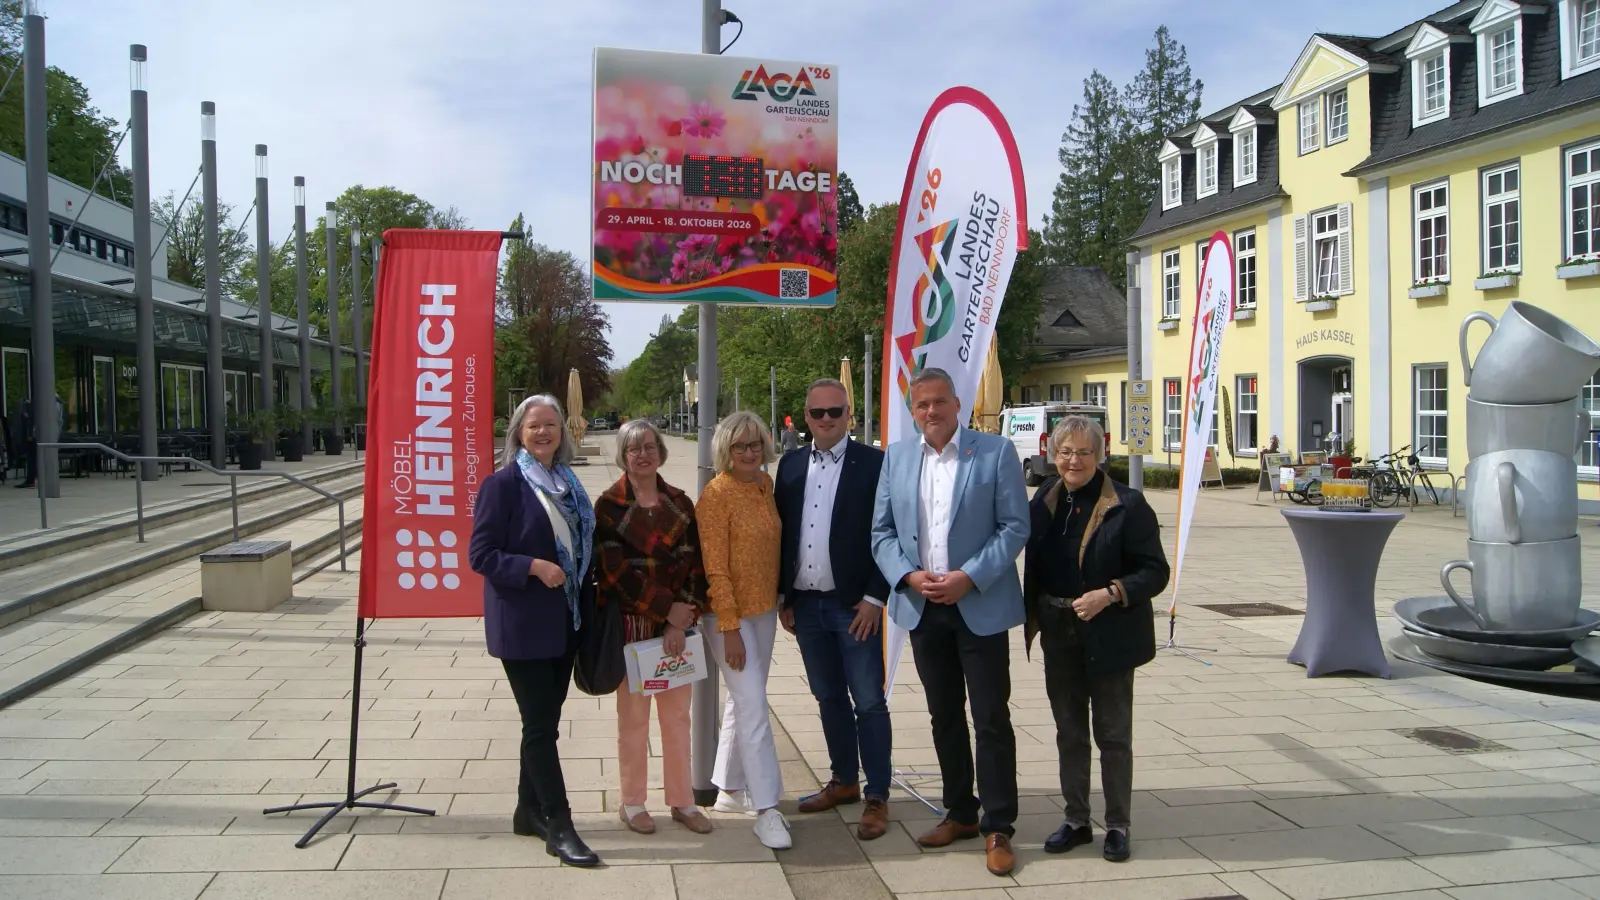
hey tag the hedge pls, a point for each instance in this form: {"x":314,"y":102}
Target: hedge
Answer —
{"x":1165,"y":478}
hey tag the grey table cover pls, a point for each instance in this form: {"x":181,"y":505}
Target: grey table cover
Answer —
{"x":1340,"y":551}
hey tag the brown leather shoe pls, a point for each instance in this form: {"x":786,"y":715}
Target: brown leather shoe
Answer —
{"x":1001,"y":859}
{"x":832,"y":794}
{"x":874,"y":820}
{"x":946,"y":833}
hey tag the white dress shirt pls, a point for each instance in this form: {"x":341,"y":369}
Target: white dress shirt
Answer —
{"x":936,"y":496}
{"x":814,"y":568}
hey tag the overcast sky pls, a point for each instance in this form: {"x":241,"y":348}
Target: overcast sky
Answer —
{"x":485,"y":104}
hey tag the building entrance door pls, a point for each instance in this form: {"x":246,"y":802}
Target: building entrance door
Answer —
{"x":1343,"y":412}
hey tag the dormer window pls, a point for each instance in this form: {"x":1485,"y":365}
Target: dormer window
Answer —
{"x":1432,"y":90}
{"x":1580,"y":37}
{"x":1498,"y":26}
{"x":1206,"y":156}
{"x":1244,"y":156}
{"x":1338,"y":116}
{"x":1172,"y":183}
{"x":1429,"y":52}
{"x":1310,"y":125}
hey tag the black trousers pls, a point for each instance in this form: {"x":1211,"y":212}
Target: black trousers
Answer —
{"x":958,"y":667}
{"x":1078,"y":701}
{"x":540,"y":686}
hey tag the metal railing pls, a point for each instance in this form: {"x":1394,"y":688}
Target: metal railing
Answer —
{"x":233,"y":486}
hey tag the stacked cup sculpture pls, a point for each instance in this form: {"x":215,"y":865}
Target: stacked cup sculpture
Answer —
{"x":1524,"y":427}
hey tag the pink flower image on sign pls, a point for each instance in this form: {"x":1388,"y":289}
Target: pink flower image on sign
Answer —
{"x":713,"y":179}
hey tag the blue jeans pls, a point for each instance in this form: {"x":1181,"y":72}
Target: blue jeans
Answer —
{"x":841,"y":669}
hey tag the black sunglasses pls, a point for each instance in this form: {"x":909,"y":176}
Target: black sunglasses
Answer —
{"x":830,"y":412}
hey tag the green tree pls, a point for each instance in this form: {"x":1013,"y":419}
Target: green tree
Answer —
{"x":849,"y":203}
{"x":1163,"y":98}
{"x":549,"y":323}
{"x":186,"y":256}
{"x":81,"y":139}
{"x":1084,"y":227}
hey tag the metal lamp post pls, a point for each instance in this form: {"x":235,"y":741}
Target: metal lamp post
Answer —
{"x":41,"y":305}
{"x":264,"y":293}
{"x":216,"y":393}
{"x":302,"y":308}
{"x":355,"y":313}
{"x":331,"y":241}
{"x":143,"y":282}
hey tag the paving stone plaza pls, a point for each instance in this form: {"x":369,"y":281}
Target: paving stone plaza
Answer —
{"x":145,"y":775}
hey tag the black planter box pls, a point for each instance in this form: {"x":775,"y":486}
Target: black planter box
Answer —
{"x":249,"y":455}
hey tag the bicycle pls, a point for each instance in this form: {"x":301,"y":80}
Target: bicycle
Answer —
{"x":1383,"y":485}
{"x":1394,"y":480}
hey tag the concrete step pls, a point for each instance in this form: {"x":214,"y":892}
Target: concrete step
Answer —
{"x":22,"y":550}
{"x":52,"y":646}
{"x":66,"y":576}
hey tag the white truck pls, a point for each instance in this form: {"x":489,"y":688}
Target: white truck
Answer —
{"x":1028,"y":427}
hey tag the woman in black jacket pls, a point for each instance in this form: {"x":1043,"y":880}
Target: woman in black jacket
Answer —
{"x":1094,"y":561}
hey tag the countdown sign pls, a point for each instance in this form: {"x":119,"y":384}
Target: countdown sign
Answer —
{"x":714,"y":179}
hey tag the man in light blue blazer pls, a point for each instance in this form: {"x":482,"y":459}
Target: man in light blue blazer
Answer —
{"x":950,"y":521}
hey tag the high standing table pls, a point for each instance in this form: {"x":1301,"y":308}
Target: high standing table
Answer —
{"x":1340,"y":551}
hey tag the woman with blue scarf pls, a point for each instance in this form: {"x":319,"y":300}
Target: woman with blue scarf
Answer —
{"x":533,"y":542}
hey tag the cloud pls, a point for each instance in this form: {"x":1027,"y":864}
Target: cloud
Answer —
{"x":486,"y":105}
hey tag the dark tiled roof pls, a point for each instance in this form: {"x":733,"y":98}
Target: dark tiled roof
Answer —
{"x":1544,"y":93}
{"x":1358,"y":47}
{"x":1227,"y":197}
{"x":1085,"y":295}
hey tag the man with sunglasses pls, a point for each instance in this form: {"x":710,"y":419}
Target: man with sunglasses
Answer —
{"x":832,"y":601}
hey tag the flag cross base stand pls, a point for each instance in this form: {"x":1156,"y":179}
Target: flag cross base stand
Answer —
{"x":352,"y":797}
{"x":900,"y":779}
{"x":1183,"y":649}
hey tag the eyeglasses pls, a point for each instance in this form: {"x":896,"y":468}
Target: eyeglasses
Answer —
{"x":1069,"y":453}
{"x":751,"y":447}
{"x":826,"y":412}
{"x":644,"y":450}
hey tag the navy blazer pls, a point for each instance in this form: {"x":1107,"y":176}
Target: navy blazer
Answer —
{"x":522,"y":619}
{"x":855,"y":573}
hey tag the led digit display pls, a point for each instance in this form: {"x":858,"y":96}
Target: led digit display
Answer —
{"x":737,"y":177}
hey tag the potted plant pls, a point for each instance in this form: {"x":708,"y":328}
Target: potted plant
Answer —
{"x":292,"y":423}
{"x":260,"y":426}
{"x":1343,"y":457}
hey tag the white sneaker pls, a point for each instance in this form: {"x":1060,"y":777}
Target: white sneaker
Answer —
{"x":733,"y":803}
{"x":772,"y":830}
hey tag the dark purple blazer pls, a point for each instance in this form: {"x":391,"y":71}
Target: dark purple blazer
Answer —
{"x":522,"y":619}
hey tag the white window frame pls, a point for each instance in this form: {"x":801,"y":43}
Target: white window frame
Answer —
{"x":1590,"y":181}
{"x":1171,"y":414}
{"x":1030,"y":393}
{"x":1252,"y":410}
{"x":1200,"y":248}
{"x":1207,"y":156}
{"x":1589,"y":449}
{"x":1440,"y":272}
{"x":1420,"y":114}
{"x":1572,"y":32}
{"x":1095,"y":394}
{"x":1061,"y":393}
{"x":1494,"y":19}
{"x":1310,"y":114}
{"x":1244,"y":157}
{"x":1172,"y":183}
{"x":1438,"y":419}
{"x":1171,"y":285}
{"x":1245,"y":294}
{"x":1508,"y":201}
{"x":1342,"y":97}
{"x":1323,"y":233}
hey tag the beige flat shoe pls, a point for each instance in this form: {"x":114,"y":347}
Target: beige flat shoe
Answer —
{"x":639,"y":822}
{"x":692,"y":819}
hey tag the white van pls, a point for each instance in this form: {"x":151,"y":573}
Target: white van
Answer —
{"x":1028,"y":427}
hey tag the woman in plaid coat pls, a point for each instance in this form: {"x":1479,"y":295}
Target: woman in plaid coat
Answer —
{"x":649,"y":553}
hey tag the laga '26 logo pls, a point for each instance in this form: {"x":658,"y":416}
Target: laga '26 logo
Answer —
{"x":781,"y":87}
{"x":935,"y":309}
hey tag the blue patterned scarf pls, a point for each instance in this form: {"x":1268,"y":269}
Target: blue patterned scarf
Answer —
{"x":579,"y":516}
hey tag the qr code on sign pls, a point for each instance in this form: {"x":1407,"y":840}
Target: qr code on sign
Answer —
{"x":794,"y":284}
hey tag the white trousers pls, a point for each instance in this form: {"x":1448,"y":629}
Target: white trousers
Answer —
{"x":747,"y":757}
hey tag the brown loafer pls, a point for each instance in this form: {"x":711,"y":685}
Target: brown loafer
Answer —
{"x":874,"y":820}
{"x":641,"y":823}
{"x":946,"y":833}
{"x":1001,"y":859}
{"x":692,"y":819}
{"x":832,"y":794}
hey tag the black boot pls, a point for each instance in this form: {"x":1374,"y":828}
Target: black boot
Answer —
{"x":563,"y":842}
{"x":529,"y":822}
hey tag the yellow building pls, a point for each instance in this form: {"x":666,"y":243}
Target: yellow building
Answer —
{"x":1081,"y":347}
{"x":1385,"y":189}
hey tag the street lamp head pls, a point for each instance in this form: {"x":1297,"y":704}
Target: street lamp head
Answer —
{"x":208,"y":121}
{"x":33,"y":7}
{"x":261,"y":160}
{"x":332,"y":216}
{"x":300,"y":191}
{"x":355,"y":236}
{"x":137,"y":57}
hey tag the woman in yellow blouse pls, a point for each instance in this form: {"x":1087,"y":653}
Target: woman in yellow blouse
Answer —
{"x":739,"y":541}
